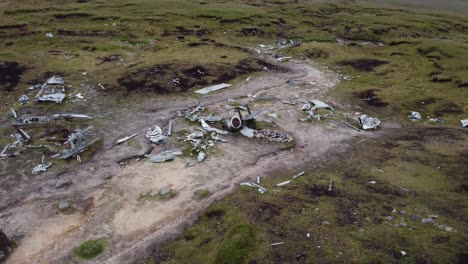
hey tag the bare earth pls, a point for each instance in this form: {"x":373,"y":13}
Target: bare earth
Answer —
{"x":106,"y":196}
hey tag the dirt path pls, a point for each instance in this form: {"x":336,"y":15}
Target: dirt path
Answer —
{"x":107,"y":198}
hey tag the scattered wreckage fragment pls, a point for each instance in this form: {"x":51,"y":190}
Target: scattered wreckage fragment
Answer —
{"x":259,"y":188}
{"x":78,"y":142}
{"x":313,"y":105}
{"x":414,"y":116}
{"x":275,"y":136}
{"x":156,"y":135}
{"x":368,"y":122}
{"x":164,"y":156}
{"x":122,"y":140}
{"x":23,"y":134}
{"x":213,"y":88}
{"x":464,"y":122}
{"x":283,"y":183}
{"x":39,"y":120}
{"x":50,"y":93}
{"x":212,"y":129}
{"x":42,"y":167}
{"x":23,"y":99}
{"x":298,"y":175}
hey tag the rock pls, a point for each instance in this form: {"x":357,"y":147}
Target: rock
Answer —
{"x":415,"y":217}
{"x":63,"y":183}
{"x":164,"y":191}
{"x":389,"y":218}
{"x":63,"y":205}
{"x":326,"y":223}
{"x":427,"y":220}
{"x":92,"y":169}
{"x":154,"y":193}
{"x":4,"y":245}
{"x":448,"y":229}
{"x":403,"y":253}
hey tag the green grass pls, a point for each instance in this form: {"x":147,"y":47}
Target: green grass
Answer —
{"x":237,"y":245}
{"x":90,"y":249}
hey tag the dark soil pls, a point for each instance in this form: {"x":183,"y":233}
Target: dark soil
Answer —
{"x":71,"y":15}
{"x":4,"y":244}
{"x":94,"y":33}
{"x":175,"y":78}
{"x":105,"y":59}
{"x":448,"y":108}
{"x":367,"y":65}
{"x":182,"y":31}
{"x":370,"y":98}
{"x":252,"y":32}
{"x":10,"y":75}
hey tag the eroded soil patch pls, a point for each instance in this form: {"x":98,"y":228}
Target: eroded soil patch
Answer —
{"x":10,"y":74}
{"x":364,"y":64}
{"x":175,"y":78}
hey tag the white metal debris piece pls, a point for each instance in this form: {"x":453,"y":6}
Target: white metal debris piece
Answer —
{"x":317,"y":104}
{"x":169,"y":128}
{"x":368,"y":122}
{"x":277,"y":244}
{"x":55,"y":80}
{"x":54,"y":97}
{"x":281,"y":59}
{"x":258,"y":179}
{"x":155,"y":135}
{"x":283,"y":183}
{"x":330,"y":186}
{"x":201,"y":156}
{"x":212,"y":129}
{"x":13,"y":112}
{"x":213,"y":88}
{"x":464,"y":122}
{"x":259,"y":188}
{"x":414,"y":116}
{"x":164,"y":156}
{"x":41,"y":167}
{"x":248,"y":132}
{"x":298,"y":175}
{"x":62,"y":116}
{"x":23,"y":99}
{"x":122,"y":140}
{"x":49,"y":35}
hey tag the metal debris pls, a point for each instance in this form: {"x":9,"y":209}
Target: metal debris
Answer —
{"x":164,"y":156}
{"x":259,"y":188}
{"x":55,"y":80}
{"x":330,"y":186}
{"x":169,"y":128}
{"x":78,"y":142}
{"x":248,"y":132}
{"x":23,"y":99}
{"x":317,"y":104}
{"x":212,"y":129}
{"x":414,"y":116}
{"x":367,"y":122}
{"x":201,"y":156}
{"x":234,"y":123}
{"x":23,"y":134}
{"x":41,"y":167}
{"x":156,"y":135}
{"x":464,"y":122}
{"x":13,"y":112}
{"x":298,"y":175}
{"x":213,"y":88}
{"x":283,"y":183}
{"x":66,"y":116}
{"x":122,"y":140}
{"x":275,"y":136}
{"x":277,"y":243}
